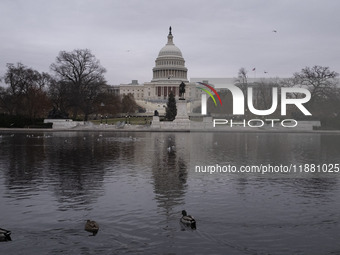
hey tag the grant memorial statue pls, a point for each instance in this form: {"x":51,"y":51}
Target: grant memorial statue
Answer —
{"x":181,"y":91}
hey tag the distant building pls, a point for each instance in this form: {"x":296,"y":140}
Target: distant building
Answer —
{"x":110,"y":89}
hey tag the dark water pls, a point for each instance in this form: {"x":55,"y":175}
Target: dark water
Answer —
{"x":135,"y":188}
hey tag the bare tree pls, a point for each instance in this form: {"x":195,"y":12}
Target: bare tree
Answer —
{"x":26,"y":94}
{"x":6,"y":101}
{"x":84,"y":73}
{"x":59,"y":94}
{"x":242,"y":80}
{"x":318,"y":79}
{"x":322,"y":84}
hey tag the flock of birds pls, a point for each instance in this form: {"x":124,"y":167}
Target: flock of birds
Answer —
{"x":186,"y":220}
{"x":93,"y":227}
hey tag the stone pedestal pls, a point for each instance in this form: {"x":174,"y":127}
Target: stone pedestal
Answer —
{"x":181,"y":121}
{"x":182,"y":112}
{"x":182,"y":118}
{"x":155,"y":122}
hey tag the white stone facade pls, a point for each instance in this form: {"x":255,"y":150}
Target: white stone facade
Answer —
{"x":65,"y":123}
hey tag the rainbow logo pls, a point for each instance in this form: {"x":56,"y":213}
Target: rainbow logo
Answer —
{"x":209,"y":93}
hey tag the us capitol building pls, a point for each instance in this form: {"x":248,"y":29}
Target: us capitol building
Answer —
{"x":169,"y":72}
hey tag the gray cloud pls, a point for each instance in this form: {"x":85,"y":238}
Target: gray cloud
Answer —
{"x":216,"y":37}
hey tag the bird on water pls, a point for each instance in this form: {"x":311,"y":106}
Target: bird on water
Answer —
{"x":92,"y":226}
{"x":5,"y":235}
{"x":188,"y":220}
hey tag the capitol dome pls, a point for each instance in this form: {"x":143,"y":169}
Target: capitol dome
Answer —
{"x":170,"y":64}
{"x":170,"y":50}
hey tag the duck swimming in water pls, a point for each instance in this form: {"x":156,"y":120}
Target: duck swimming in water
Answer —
{"x":188,"y":220}
{"x":5,"y":235}
{"x":92,"y":226}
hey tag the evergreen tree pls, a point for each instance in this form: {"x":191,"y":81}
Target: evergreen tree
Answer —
{"x":171,"y":109}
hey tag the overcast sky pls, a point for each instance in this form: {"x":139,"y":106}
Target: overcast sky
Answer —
{"x":216,"y":37}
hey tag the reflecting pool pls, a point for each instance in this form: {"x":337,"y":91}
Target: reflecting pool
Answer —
{"x":135,"y":185}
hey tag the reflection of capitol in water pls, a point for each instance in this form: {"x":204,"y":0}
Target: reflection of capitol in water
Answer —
{"x":76,"y":164}
{"x":169,"y":168}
